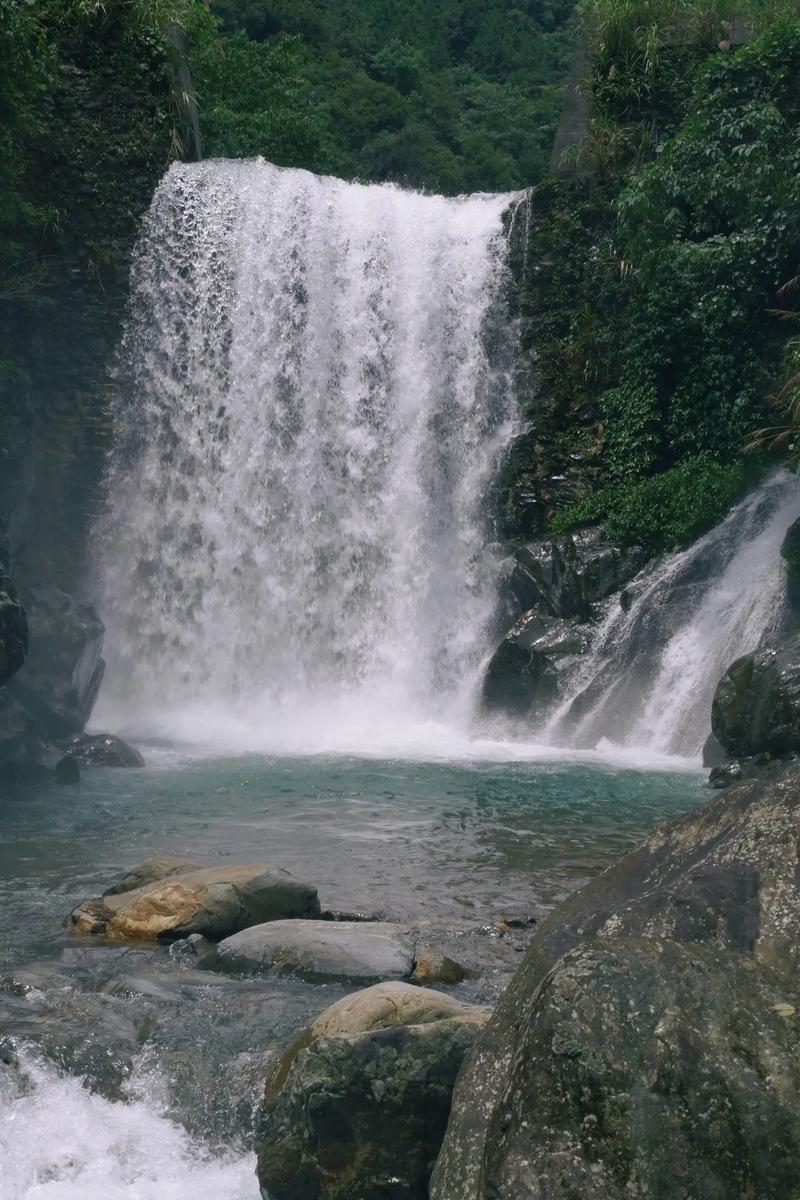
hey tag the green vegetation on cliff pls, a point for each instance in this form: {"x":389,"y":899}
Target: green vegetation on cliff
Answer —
{"x":663,"y":340}
{"x":450,"y":95}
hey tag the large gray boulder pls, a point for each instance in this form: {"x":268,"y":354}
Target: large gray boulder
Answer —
{"x":61,"y":677}
{"x":212,"y":901}
{"x":335,"y":949}
{"x":525,"y":675}
{"x":756,"y":706}
{"x":645,"y":1070}
{"x":103,"y":750}
{"x":725,"y":875}
{"x":790,"y":553}
{"x":20,"y":745}
{"x":13,"y":630}
{"x":363,"y":1107}
{"x":565,"y":576}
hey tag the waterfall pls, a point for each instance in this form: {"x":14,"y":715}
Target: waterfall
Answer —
{"x":317,"y":394}
{"x":649,"y":677}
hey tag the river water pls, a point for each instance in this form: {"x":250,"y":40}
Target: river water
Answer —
{"x":138,"y":1076}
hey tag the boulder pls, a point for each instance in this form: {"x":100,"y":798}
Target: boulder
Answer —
{"x":213,"y":901}
{"x":103,"y":750}
{"x":61,"y":677}
{"x":756,"y":706}
{"x":524,"y":675}
{"x":13,"y":631}
{"x":565,"y":576}
{"x":160,"y":866}
{"x":334,"y":949}
{"x":725,"y":875}
{"x":67,"y":770}
{"x":645,"y":1070}
{"x":362,"y":1114}
{"x":21,"y":748}
{"x":434,"y":967}
{"x":381,"y":1006}
{"x":790,"y":553}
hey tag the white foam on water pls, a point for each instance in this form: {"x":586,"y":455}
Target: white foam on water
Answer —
{"x":58,"y":1141}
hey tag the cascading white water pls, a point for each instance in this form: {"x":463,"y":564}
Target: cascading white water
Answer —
{"x":649,"y":678}
{"x":296,"y":530}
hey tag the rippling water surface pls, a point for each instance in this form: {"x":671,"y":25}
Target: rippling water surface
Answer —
{"x":136,"y":1076}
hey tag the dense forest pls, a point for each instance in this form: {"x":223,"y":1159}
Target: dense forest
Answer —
{"x":660,"y":316}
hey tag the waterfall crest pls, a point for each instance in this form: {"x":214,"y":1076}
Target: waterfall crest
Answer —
{"x":320,"y":395}
{"x":649,"y":677}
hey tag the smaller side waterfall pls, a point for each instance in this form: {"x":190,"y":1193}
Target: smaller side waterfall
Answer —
{"x":649,"y":678}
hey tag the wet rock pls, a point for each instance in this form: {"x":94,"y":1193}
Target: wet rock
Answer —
{"x":713,"y":753}
{"x":434,"y":967}
{"x":725,"y":875}
{"x":342,"y":949}
{"x":364,"y":1113}
{"x":645,"y":1070}
{"x":67,"y":770}
{"x":61,"y":677}
{"x":213,"y":901}
{"x":381,"y":1006}
{"x":790,"y":553}
{"x":525,"y":673}
{"x":103,"y":750}
{"x":565,"y":576}
{"x":21,"y":748}
{"x":159,"y":866}
{"x":13,"y":630}
{"x":756,"y":706}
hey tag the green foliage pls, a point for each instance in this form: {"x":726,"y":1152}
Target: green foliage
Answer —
{"x":662,"y":512}
{"x":255,"y":98}
{"x":712,"y":228}
{"x":450,"y":95}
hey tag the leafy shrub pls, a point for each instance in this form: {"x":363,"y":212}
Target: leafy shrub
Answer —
{"x":666,"y":511}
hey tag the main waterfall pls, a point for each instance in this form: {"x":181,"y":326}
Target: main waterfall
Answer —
{"x":317,"y":381}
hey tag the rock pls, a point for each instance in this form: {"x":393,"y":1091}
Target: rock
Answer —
{"x":756,"y":706}
{"x":363,"y":1114}
{"x":21,"y":748}
{"x":790,"y":553}
{"x":160,"y":866}
{"x":381,"y":1006}
{"x":713,"y":753}
{"x":434,"y":967}
{"x":103,"y":750}
{"x":13,"y":630}
{"x":60,"y":679}
{"x":725,"y":875}
{"x":213,"y":901}
{"x":340,"y":949}
{"x":644,"y":1070}
{"x":67,"y":770}
{"x":524,"y":675}
{"x":565,"y":576}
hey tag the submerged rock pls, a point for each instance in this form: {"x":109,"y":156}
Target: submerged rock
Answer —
{"x":341,"y":949}
{"x":360,"y":1107}
{"x":725,"y":875}
{"x":103,"y":750}
{"x":645,"y":1070}
{"x":213,"y":901}
{"x":756,"y":706}
{"x":525,"y":672}
{"x":67,"y":770}
{"x":59,"y":682}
